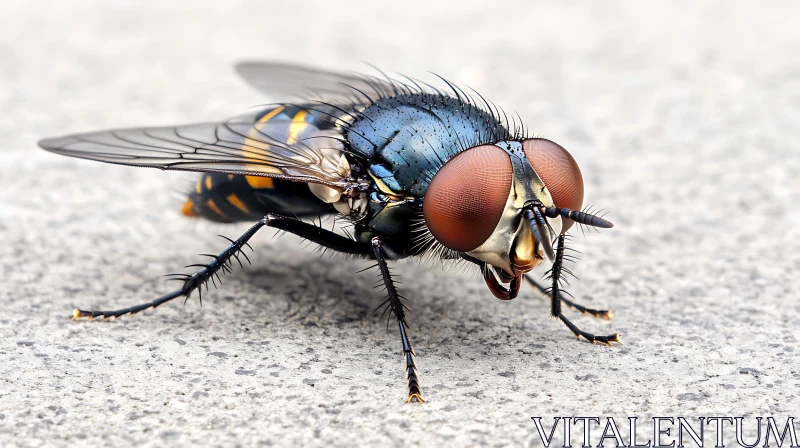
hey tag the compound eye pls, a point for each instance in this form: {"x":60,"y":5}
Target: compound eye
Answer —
{"x":467,"y":196}
{"x":559,"y":172}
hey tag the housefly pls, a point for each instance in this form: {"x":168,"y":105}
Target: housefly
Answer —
{"x":417,"y":170}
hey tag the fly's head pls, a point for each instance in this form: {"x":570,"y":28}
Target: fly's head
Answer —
{"x":502,"y":204}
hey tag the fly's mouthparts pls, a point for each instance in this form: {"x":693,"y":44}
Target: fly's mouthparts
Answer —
{"x":504,"y":276}
{"x":495,"y":278}
{"x":539,"y":230}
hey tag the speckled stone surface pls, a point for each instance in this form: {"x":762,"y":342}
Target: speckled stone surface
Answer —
{"x":684,"y":119}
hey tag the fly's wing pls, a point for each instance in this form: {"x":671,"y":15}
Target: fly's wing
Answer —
{"x":249,"y":144}
{"x":279,"y":79}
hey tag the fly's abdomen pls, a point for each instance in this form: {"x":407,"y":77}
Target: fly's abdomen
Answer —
{"x":229,"y":198}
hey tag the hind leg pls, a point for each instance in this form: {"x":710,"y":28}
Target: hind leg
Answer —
{"x":223,"y":262}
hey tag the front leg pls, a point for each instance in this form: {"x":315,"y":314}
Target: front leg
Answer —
{"x":556,"y":299}
{"x":394,"y":303}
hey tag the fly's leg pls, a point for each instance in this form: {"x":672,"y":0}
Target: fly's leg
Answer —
{"x":602,"y":314}
{"x":224,"y":261}
{"x":556,"y":299}
{"x":394,"y":303}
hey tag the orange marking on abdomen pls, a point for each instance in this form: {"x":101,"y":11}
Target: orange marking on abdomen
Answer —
{"x":208,"y":183}
{"x":259,"y":181}
{"x":233,"y":199}
{"x":213,"y":206}
{"x":188,"y":209}
{"x":271,"y":114}
{"x":298,"y":125}
{"x":253,"y":142}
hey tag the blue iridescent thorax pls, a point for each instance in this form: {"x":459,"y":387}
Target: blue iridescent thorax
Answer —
{"x":409,"y":137}
{"x":404,"y":140}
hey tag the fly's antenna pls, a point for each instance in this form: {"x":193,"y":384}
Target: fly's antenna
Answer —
{"x":535,"y":212}
{"x":578,"y":216}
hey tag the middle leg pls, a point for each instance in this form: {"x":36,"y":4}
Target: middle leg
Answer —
{"x":394,"y":304}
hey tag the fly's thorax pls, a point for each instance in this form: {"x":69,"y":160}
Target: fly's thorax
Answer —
{"x":385,"y":209}
{"x":412,"y":134}
{"x":391,"y":208}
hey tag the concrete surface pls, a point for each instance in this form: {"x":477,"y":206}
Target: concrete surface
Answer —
{"x":684,"y":118}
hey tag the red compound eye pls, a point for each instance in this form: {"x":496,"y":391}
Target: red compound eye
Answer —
{"x":559,"y":172}
{"x":466,"y":197}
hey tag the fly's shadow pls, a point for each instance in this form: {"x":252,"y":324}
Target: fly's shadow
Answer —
{"x":314,"y":290}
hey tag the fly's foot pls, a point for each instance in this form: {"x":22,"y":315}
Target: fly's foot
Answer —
{"x":78,"y":314}
{"x":605,"y":340}
{"x":415,"y":398}
{"x":600,"y":314}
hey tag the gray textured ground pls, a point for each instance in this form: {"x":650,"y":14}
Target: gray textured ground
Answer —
{"x":684,"y":120}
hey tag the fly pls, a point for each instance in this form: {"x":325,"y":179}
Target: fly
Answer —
{"x":416,"y":170}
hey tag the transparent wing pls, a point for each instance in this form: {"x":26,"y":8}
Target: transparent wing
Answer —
{"x":279,"y":149}
{"x":279,"y":79}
